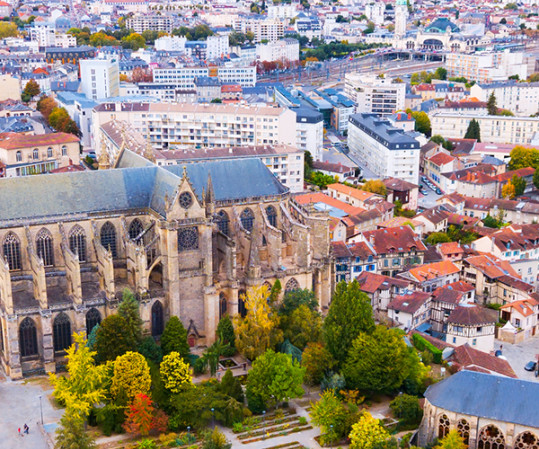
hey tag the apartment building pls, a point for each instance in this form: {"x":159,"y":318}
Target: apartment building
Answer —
{"x":217,"y":47}
{"x":184,"y":77}
{"x":100,"y":78}
{"x":140,"y":23}
{"x":494,"y":128}
{"x":385,"y":150}
{"x":373,"y":94}
{"x":200,"y":125}
{"x":310,"y":131}
{"x":521,"y":99}
{"x":281,"y":50}
{"x":264,"y":30}
{"x":284,"y":161}
{"x":486,"y":67}
{"x":170,"y":43}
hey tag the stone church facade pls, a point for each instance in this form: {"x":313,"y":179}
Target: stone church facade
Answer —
{"x":488,"y":411}
{"x":188,"y":240}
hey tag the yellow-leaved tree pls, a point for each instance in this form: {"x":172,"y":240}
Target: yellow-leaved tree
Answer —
{"x":452,"y":440}
{"x":131,"y":377}
{"x":85,"y":385}
{"x":367,"y":433}
{"x":509,"y":191}
{"x":175,"y":373}
{"x":258,"y":331}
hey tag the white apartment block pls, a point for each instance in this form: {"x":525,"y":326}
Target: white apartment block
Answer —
{"x":384,"y":150}
{"x":184,"y":77}
{"x":141,"y":23}
{"x":217,"y":47}
{"x":282,"y":11}
{"x":281,"y":50}
{"x":200,"y":125}
{"x":170,"y":43}
{"x":310,"y":131}
{"x":46,"y":36}
{"x":100,"y":78}
{"x":284,"y":161}
{"x":520,"y":98}
{"x":375,"y":12}
{"x":486,"y":67}
{"x":269,"y":29}
{"x":494,"y":128}
{"x":374,"y":95}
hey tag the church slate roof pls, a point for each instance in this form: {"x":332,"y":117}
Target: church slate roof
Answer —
{"x":488,"y":396}
{"x":80,"y":194}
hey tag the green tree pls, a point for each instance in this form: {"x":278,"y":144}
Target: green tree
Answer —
{"x":317,"y":361}
{"x":378,"y":362}
{"x":490,"y":222}
{"x":215,"y":439}
{"x":258,"y":331}
{"x":225,"y":333}
{"x":519,"y":183}
{"x":492,"y":108}
{"x":441,"y":141}
{"x":174,"y":338}
{"x":321,"y":180}
{"x":134,"y":42}
{"x":522,"y":157}
{"x":275,"y":377}
{"x":536,"y":179}
{"x":295,"y":298}
{"x":350,"y":313}
{"x":407,"y":409}
{"x":422,"y":122}
{"x":129,"y":309}
{"x":367,"y":433}
{"x":331,"y":415}
{"x":150,"y":349}
{"x":84,"y":386}
{"x":72,"y":435}
{"x":302,"y":326}
{"x":175,"y":372}
{"x":231,"y":386}
{"x":437,"y":237}
{"x":275,"y":292}
{"x":113,"y":339}
{"x":59,"y":119}
{"x":440,"y":73}
{"x":453,"y":440}
{"x":473,"y":131}
{"x":131,"y":377}
{"x":31,"y":90}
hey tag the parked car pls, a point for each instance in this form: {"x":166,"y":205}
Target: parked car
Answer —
{"x":438,"y":191}
{"x":530,"y":366}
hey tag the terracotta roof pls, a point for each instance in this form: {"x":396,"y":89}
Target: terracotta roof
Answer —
{"x":461,"y":286}
{"x":334,"y":168}
{"x":490,"y":266}
{"x":434,"y":215}
{"x":471,"y":316}
{"x":441,"y":159}
{"x":12,"y":141}
{"x":453,"y":198}
{"x":434,"y":270}
{"x":462,"y":220}
{"x":516,"y":283}
{"x":371,"y":282}
{"x":466,"y":357}
{"x":525,"y":307}
{"x":450,"y":248}
{"x":448,"y":295}
{"x":357,"y":249}
{"x":399,"y":185}
{"x":358,"y":194}
{"x":409,"y":303}
{"x":401,"y":239}
{"x":503,"y":177}
{"x":68,"y":169}
{"x":399,"y":221}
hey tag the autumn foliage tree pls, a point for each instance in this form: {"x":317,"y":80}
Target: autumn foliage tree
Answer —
{"x":175,"y":372}
{"x":31,"y":90}
{"x":375,"y":186}
{"x":131,"y":377}
{"x":46,"y":105}
{"x":142,"y":417}
{"x":258,"y":331}
{"x":367,"y":433}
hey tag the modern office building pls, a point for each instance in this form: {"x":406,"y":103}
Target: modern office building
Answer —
{"x":100,"y":78}
{"x":373,"y":94}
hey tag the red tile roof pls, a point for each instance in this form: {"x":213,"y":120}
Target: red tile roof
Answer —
{"x":401,"y":239}
{"x":521,"y":172}
{"x":472,"y":316}
{"x":525,"y":307}
{"x":441,"y":159}
{"x":11,"y":141}
{"x":409,"y":303}
{"x":371,"y":282}
{"x":434,"y":270}
{"x":466,"y":357}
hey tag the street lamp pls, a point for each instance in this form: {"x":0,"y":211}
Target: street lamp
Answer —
{"x":213,"y":417}
{"x":264,"y":416}
{"x":41,"y":409}
{"x":331,"y":432}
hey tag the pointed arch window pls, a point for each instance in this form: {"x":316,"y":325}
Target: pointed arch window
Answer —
{"x":93,"y":318}
{"x":242,"y":310}
{"x":12,"y":251}
{"x":292,"y":284}
{"x":28,"y":337}
{"x":271,"y":213}
{"x":61,"y":332}
{"x":443,"y":426}
{"x":157,"y":319}
{"x":491,"y":437}
{"x":135,"y":229}
{"x":247,"y":219}
{"x":223,"y":305}
{"x":108,"y":238}
{"x":44,"y":247}
{"x":223,"y":222}
{"x":77,"y":242}
{"x":463,"y":428}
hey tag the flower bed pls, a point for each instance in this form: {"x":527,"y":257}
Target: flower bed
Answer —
{"x":266,"y":424}
{"x":291,"y":445}
{"x":283,"y":433}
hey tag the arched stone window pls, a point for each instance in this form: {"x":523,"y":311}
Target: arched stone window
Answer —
{"x":28,"y":337}
{"x":264,"y":241}
{"x":242,"y":310}
{"x":223,"y":305}
{"x":247,"y":219}
{"x":223,"y":222}
{"x":93,"y":318}
{"x":77,"y":242}
{"x":292,"y":284}
{"x":49,"y":152}
{"x":443,"y":426}
{"x":35,"y":154}
{"x":64,"y":150}
{"x":527,"y":440}
{"x":61,"y":332}
{"x":44,"y":247}
{"x":491,"y":437}
{"x":271,"y":213}
{"x":108,"y":238}
{"x":135,"y":228}
{"x":463,"y":428}
{"x":157,"y":319}
{"x":12,"y":251}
